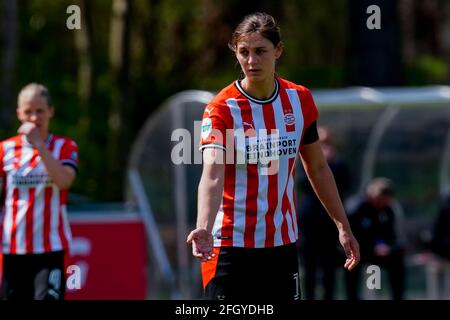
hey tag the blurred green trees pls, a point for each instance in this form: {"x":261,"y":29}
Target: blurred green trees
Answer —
{"x":130,"y":56}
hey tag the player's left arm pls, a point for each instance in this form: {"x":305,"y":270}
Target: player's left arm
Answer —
{"x":324,"y":185}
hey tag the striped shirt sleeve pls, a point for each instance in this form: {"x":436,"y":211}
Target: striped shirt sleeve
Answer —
{"x":213,"y":128}
{"x":69,"y":154}
{"x":309,"y":107}
{"x":311,"y":135}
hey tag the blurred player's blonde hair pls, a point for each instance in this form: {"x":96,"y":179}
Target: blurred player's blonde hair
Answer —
{"x":34,"y":90}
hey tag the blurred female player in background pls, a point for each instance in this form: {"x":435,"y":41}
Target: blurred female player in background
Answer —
{"x":36,"y":172}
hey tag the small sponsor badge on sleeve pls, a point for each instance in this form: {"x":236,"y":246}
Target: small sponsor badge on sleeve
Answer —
{"x":74,"y":156}
{"x":206,"y":127}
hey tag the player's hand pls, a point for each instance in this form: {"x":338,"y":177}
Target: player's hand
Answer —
{"x":202,"y":244}
{"x":351,"y":249}
{"x":31,"y":132}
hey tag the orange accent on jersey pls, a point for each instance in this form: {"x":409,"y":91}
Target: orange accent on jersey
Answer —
{"x":209,"y":267}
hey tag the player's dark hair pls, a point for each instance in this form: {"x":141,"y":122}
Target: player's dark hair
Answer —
{"x":259,"y":22}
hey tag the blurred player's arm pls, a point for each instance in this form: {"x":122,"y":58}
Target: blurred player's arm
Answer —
{"x":61,"y":174}
{"x":324,"y":185}
{"x":209,"y":197}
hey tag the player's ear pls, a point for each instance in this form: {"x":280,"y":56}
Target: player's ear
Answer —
{"x":52,"y":111}
{"x":279,"y":49}
{"x":20,"y":114}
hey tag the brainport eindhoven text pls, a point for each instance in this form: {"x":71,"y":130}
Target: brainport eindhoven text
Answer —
{"x":241,"y":147}
{"x":225,"y":309}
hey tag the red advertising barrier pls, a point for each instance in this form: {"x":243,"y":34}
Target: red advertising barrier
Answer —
{"x":109,"y":253}
{"x":108,"y":258}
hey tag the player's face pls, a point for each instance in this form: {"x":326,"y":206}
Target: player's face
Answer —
{"x":257,"y":57}
{"x":35,"y":110}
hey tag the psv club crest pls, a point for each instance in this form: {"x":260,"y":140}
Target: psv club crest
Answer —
{"x":289,"y":119}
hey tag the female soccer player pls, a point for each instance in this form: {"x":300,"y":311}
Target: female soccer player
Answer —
{"x":36,"y":171}
{"x":252,"y":133}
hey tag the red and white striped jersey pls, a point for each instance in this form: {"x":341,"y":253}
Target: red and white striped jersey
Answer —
{"x":258,"y":207}
{"x":35,"y":218}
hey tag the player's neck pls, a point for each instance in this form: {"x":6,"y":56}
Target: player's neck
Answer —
{"x":261,"y":89}
{"x":44,"y":135}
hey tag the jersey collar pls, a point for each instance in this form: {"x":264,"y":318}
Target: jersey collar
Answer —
{"x":259,"y":101}
{"x":47,"y":141}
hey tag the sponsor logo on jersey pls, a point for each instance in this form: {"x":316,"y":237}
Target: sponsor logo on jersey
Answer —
{"x":209,"y":111}
{"x":248,"y":126}
{"x":265,"y":148}
{"x":31,"y":180}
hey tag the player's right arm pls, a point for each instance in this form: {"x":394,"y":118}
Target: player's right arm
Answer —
{"x":324,"y":185}
{"x":209,"y":197}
